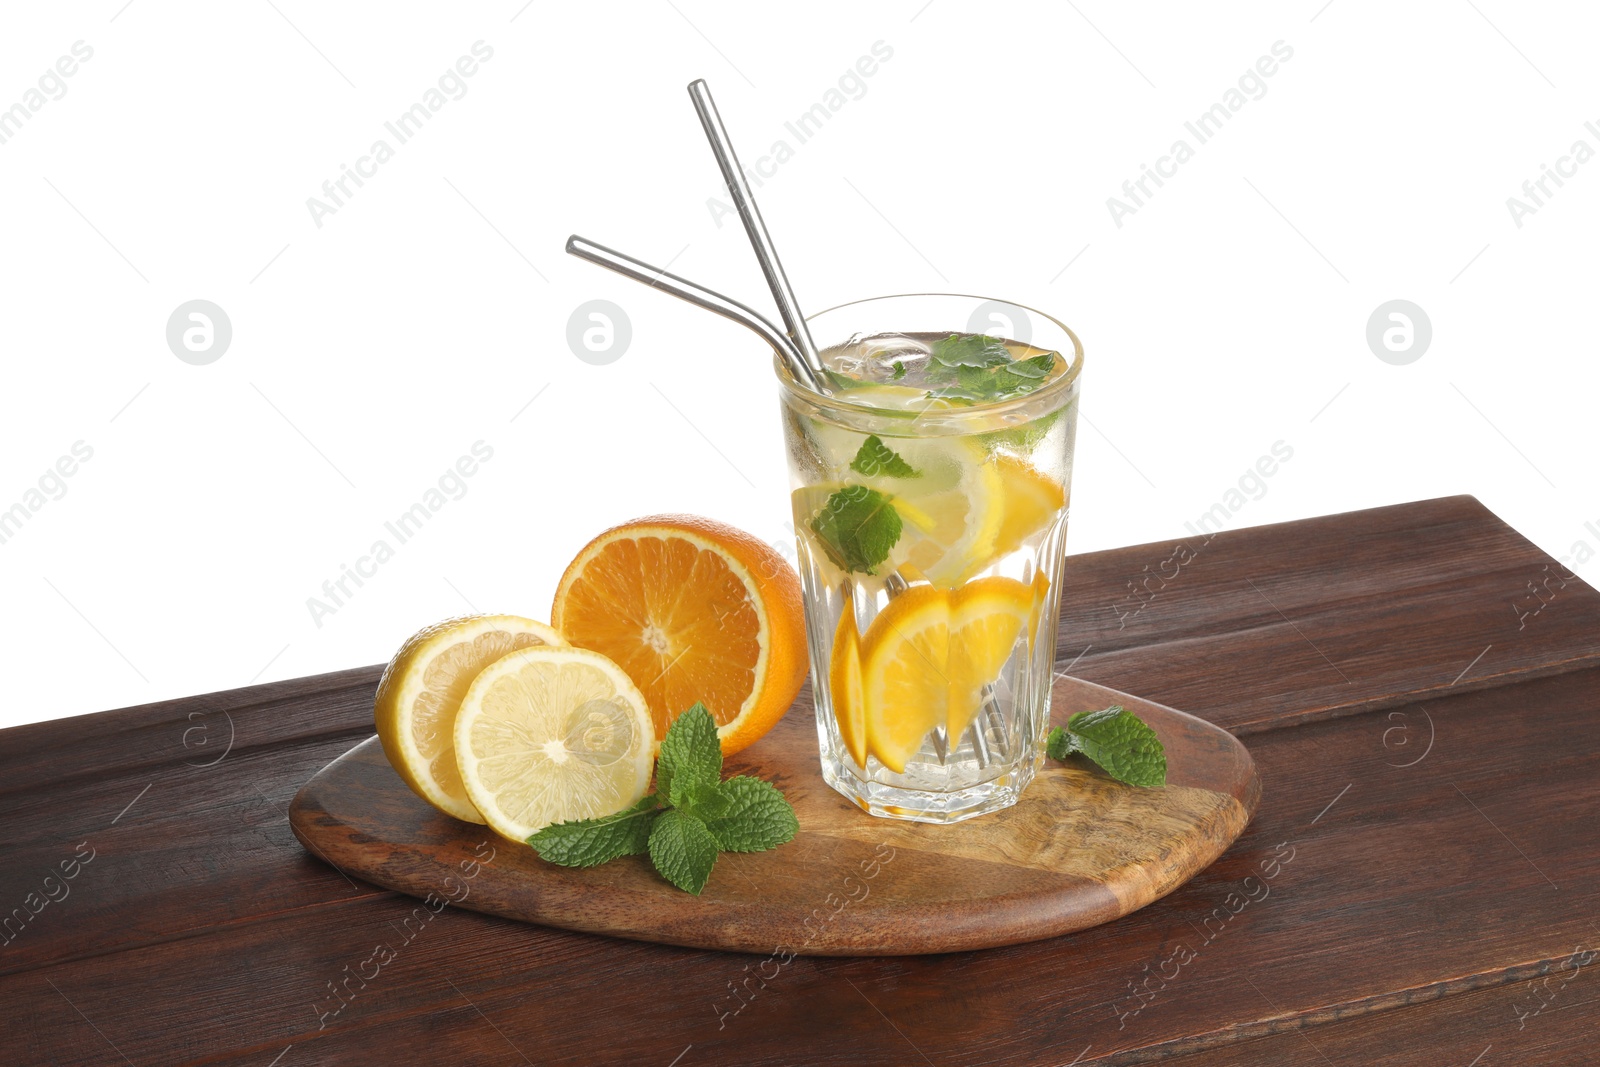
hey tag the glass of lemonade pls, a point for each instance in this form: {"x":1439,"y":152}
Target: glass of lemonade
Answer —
{"x":930,"y":493}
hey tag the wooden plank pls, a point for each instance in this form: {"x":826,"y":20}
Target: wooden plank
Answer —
{"x":1392,"y":883}
{"x":1549,"y":1017}
{"x":194,"y":732}
{"x":1273,"y":625}
{"x":170,"y":851}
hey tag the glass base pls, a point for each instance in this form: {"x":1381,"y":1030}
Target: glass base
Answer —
{"x":923,"y":805}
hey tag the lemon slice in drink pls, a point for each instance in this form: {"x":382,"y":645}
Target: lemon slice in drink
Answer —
{"x":421,"y":690}
{"x":549,"y":735}
{"x":950,"y":511}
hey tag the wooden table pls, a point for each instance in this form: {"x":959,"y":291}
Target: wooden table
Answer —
{"x":1419,"y":685}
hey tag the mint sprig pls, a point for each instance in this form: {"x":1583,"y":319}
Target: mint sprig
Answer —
{"x":857,"y":527}
{"x":1119,"y":741}
{"x":979,"y":368}
{"x":691,"y":817}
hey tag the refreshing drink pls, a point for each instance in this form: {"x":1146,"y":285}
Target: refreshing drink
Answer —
{"x":930,"y":495}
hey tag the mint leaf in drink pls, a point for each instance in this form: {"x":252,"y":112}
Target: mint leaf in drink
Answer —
{"x":590,"y":842}
{"x":683,"y":850}
{"x":977,"y":368}
{"x":690,"y":756}
{"x":970,"y":350}
{"x":1118,"y":740}
{"x":857,"y":527}
{"x":1034,"y":367}
{"x":877,"y":458}
{"x":899,"y":370}
{"x":757,"y":817}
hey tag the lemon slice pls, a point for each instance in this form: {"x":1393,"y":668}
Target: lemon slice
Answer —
{"x":955,"y":507}
{"x":421,"y":689}
{"x":927,"y":657}
{"x":548,"y":735}
{"x":950,"y":513}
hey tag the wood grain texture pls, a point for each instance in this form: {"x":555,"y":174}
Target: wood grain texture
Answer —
{"x":1424,"y":899}
{"x":1079,"y":849}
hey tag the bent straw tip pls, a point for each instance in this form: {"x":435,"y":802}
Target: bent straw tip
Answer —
{"x":572,"y":244}
{"x":698,"y":86}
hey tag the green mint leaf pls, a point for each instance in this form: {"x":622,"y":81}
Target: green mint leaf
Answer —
{"x":1059,"y":744}
{"x":705,"y":801}
{"x":590,"y":842}
{"x":1121,"y":744}
{"x":683,"y":850}
{"x":757,"y":817}
{"x":969,"y":350}
{"x":690,"y":756}
{"x":899,"y":370}
{"x":857,"y":527}
{"x":979,"y":369}
{"x":877,"y":458}
{"x":1036,"y":367}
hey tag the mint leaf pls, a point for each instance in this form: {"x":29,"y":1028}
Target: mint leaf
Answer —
{"x":899,"y":370}
{"x":857,"y":527}
{"x":1123,"y":745}
{"x":705,"y":801}
{"x":979,"y":369}
{"x":683,"y":850}
{"x":757,"y":816}
{"x":970,"y":350}
{"x":877,"y":458}
{"x":590,"y":842}
{"x":1059,"y":744}
{"x":1035,"y":367}
{"x":702,"y":814}
{"x":690,"y":756}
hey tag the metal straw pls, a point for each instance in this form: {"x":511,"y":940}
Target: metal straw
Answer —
{"x":697,"y":295}
{"x":760,"y":240}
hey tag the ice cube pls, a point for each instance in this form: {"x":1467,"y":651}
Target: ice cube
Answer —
{"x":881,"y":358}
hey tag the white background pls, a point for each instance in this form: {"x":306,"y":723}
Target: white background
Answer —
{"x":430,"y":311}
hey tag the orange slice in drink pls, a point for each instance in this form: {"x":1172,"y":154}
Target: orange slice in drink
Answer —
{"x":904,"y":686}
{"x":694,"y":611}
{"x":844,"y":686}
{"x":1029,"y":497}
{"x":986,"y":618}
{"x":928,"y":656}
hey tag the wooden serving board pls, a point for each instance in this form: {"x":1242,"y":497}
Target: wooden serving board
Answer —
{"x":1078,"y":850}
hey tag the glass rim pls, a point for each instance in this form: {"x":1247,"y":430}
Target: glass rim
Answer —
{"x":835,"y":400}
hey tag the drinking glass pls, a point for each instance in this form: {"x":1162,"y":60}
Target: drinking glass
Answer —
{"x":931,"y":526}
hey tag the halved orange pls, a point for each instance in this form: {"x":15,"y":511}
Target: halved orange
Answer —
{"x":927,"y":657}
{"x":694,"y":611}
